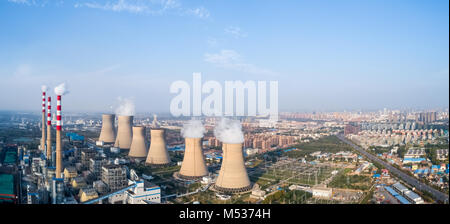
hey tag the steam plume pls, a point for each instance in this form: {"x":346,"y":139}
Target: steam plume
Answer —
{"x":61,"y":89}
{"x":44,"y":88}
{"x":229,"y":131}
{"x":126,"y":107}
{"x":193,"y":129}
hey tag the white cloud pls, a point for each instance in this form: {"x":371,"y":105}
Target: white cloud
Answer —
{"x":235,"y":31}
{"x":154,"y":7}
{"x":20,"y":1}
{"x":230,"y":59}
{"x":30,"y":2}
{"x":200,"y":12}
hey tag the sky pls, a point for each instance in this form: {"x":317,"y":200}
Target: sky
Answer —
{"x":325,"y":55}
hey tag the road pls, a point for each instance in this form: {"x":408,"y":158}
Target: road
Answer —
{"x":405,"y":177}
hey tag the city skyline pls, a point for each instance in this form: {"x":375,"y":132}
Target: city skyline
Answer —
{"x":351,"y":55}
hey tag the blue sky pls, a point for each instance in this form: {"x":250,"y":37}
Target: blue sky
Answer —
{"x":326,"y":55}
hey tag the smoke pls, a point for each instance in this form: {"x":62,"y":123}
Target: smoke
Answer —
{"x":126,"y":107}
{"x":193,"y":129}
{"x":229,"y":131}
{"x":44,"y":88}
{"x":61,"y":89}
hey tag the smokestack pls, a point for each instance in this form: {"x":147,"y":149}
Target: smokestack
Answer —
{"x":124,"y":134}
{"x":138,"y":148}
{"x":193,"y":166}
{"x":58,"y":138}
{"x":157,"y":154}
{"x":49,"y":129}
{"x":233,"y":176}
{"x":107,"y":134}
{"x":43,"y":119}
{"x":59,"y":91}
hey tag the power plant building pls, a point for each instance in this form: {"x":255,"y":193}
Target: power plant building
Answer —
{"x":114,"y":176}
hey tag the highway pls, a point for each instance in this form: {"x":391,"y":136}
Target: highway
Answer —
{"x":405,"y":177}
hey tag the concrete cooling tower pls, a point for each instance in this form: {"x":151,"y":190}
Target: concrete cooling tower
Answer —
{"x":193,"y":166}
{"x":233,"y":176}
{"x":107,"y":134}
{"x":138,"y":147}
{"x":124,"y":134}
{"x":157,"y":154}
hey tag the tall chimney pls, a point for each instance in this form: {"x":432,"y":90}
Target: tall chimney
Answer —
{"x":107,"y":134}
{"x":157,"y":154}
{"x":124,"y":134}
{"x":138,"y":148}
{"x":58,"y":138}
{"x":43,"y":123}
{"x":233,"y":176}
{"x":193,"y":165}
{"x":49,"y":129}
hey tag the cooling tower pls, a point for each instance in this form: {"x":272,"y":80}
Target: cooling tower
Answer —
{"x":157,"y":154}
{"x":193,"y":165}
{"x":124,"y":134}
{"x":58,"y":138}
{"x":43,"y":123}
{"x":107,"y":134}
{"x":49,"y":129}
{"x":138,"y":148}
{"x":233,"y":176}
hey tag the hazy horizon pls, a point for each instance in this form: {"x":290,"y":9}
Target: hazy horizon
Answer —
{"x":350,"y":55}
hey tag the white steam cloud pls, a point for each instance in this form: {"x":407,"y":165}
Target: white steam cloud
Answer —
{"x":61,"y":89}
{"x":44,"y":88}
{"x":126,"y":107}
{"x":229,"y":131}
{"x":193,"y":129}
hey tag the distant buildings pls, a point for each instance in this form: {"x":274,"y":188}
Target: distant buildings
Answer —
{"x":426,"y":117}
{"x":351,"y":129}
{"x":442,"y":154}
{"x":415,"y":153}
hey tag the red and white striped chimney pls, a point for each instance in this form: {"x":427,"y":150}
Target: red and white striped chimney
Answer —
{"x":58,"y":138}
{"x":49,"y":126}
{"x":49,"y":111}
{"x":58,"y":113}
{"x":43,"y":102}
{"x":43,"y":122}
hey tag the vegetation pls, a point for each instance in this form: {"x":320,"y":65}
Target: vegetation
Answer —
{"x":343,"y":180}
{"x":286,"y":196}
{"x":325,"y":144}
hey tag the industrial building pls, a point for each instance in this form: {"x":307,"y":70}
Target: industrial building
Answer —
{"x":407,"y":194}
{"x":114,"y":176}
{"x":95,"y":166}
{"x":322,"y":192}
